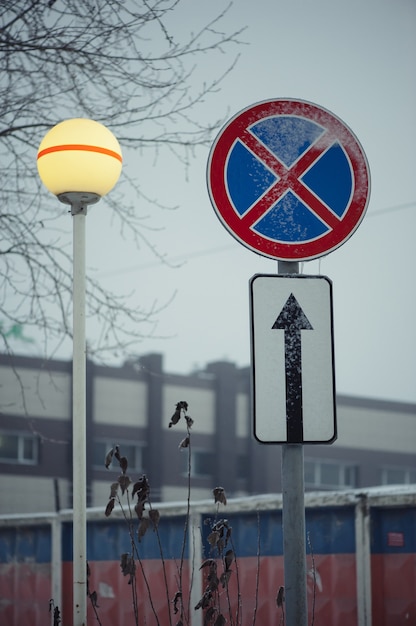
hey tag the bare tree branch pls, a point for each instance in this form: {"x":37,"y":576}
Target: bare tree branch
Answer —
{"x":120,"y":63}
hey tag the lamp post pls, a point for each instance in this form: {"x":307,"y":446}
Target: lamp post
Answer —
{"x":79,"y":161}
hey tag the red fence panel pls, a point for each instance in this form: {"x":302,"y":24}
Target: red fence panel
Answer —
{"x":393,"y":566}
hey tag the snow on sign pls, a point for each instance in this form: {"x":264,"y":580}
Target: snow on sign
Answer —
{"x":288,"y":179}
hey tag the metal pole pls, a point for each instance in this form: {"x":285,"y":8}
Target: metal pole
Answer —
{"x":56,"y":563}
{"x":363,"y":561}
{"x":195,"y":553}
{"x":79,"y":476}
{"x":294,"y":540}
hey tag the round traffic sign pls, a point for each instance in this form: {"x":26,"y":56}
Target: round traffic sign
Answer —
{"x":288,"y":179}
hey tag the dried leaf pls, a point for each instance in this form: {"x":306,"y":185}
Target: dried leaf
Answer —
{"x":56,"y":617}
{"x":141,"y":488}
{"x":209,"y":615}
{"x":110,"y":506}
{"x":212,"y":578}
{"x":189,"y":421}
{"x":211,"y":563}
{"x":114,"y":489}
{"x":127,"y":564}
{"x":143,"y":526}
{"x":228,"y":559}
{"x":136,"y":487}
{"x":117,"y":452}
{"x":213,"y":538}
{"x":219,"y":495}
{"x":139,"y":508}
{"x":180,"y":406}
{"x":184,"y":443}
{"x":109,"y":458}
{"x":175,"y":418}
{"x":225,"y":577}
{"x":204,"y":601}
{"x":280,"y":598}
{"x":123,"y":464}
{"x":154,"y":516}
{"x":212,"y":582}
{"x":56,"y":613}
{"x":124,"y":559}
{"x":94,"y":598}
{"x":124,"y":481}
{"x":178,"y":596}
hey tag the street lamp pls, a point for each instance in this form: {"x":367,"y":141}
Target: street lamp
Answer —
{"x":79,"y":161}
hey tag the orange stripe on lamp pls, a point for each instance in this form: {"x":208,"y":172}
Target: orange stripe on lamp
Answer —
{"x":80,"y":146}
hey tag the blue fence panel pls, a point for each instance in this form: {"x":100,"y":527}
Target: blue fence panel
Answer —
{"x":107,"y":540}
{"x":393,"y":530}
{"x":25,"y":543}
{"x":330,"y":530}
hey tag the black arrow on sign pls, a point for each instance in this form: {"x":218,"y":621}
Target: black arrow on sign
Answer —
{"x":293,"y":320}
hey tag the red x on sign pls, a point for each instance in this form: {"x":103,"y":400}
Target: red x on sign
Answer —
{"x":288,"y":179}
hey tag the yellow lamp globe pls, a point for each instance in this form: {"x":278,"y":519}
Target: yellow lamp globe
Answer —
{"x":79,"y":156}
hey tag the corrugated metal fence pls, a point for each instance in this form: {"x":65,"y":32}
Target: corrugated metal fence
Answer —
{"x":361,"y":562}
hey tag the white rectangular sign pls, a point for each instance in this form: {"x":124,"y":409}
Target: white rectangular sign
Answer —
{"x":292,"y":359}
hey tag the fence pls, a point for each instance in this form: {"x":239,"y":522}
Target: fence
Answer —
{"x":361,"y":561}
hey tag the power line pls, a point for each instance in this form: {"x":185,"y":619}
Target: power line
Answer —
{"x":392,"y":209}
{"x":172,"y":262}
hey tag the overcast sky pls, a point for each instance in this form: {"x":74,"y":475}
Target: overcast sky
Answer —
{"x":358,"y":60}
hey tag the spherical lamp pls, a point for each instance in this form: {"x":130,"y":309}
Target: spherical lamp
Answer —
{"x":79,"y":156}
{"x":79,"y":161}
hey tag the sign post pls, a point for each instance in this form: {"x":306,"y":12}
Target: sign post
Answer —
{"x":293,"y":396}
{"x":290,"y":181}
{"x":293,"y":519}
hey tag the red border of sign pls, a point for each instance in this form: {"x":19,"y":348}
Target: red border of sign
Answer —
{"x":216,"y":172}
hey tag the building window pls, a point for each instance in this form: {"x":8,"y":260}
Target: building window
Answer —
{"x":329,"y":475}
{"x":131,"y":450}
{"x":202,"y":463}
{"x":18,"y":448}
{"x":398,"y":476}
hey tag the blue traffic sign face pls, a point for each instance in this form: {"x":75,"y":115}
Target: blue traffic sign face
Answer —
{"x":288,"y":179}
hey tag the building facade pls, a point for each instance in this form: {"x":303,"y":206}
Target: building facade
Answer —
{"x":131,"y":406}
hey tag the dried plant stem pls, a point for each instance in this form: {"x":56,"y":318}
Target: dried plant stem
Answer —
{"x":239,"y":615}
{"x":227,"y":595}
{"x":129,"y":521}
{"x":314,"y":578}
{"x":256,"y":595}
{"x":165,"y":578}
{"x":186,"y":527}
{"x":136,"y":556}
